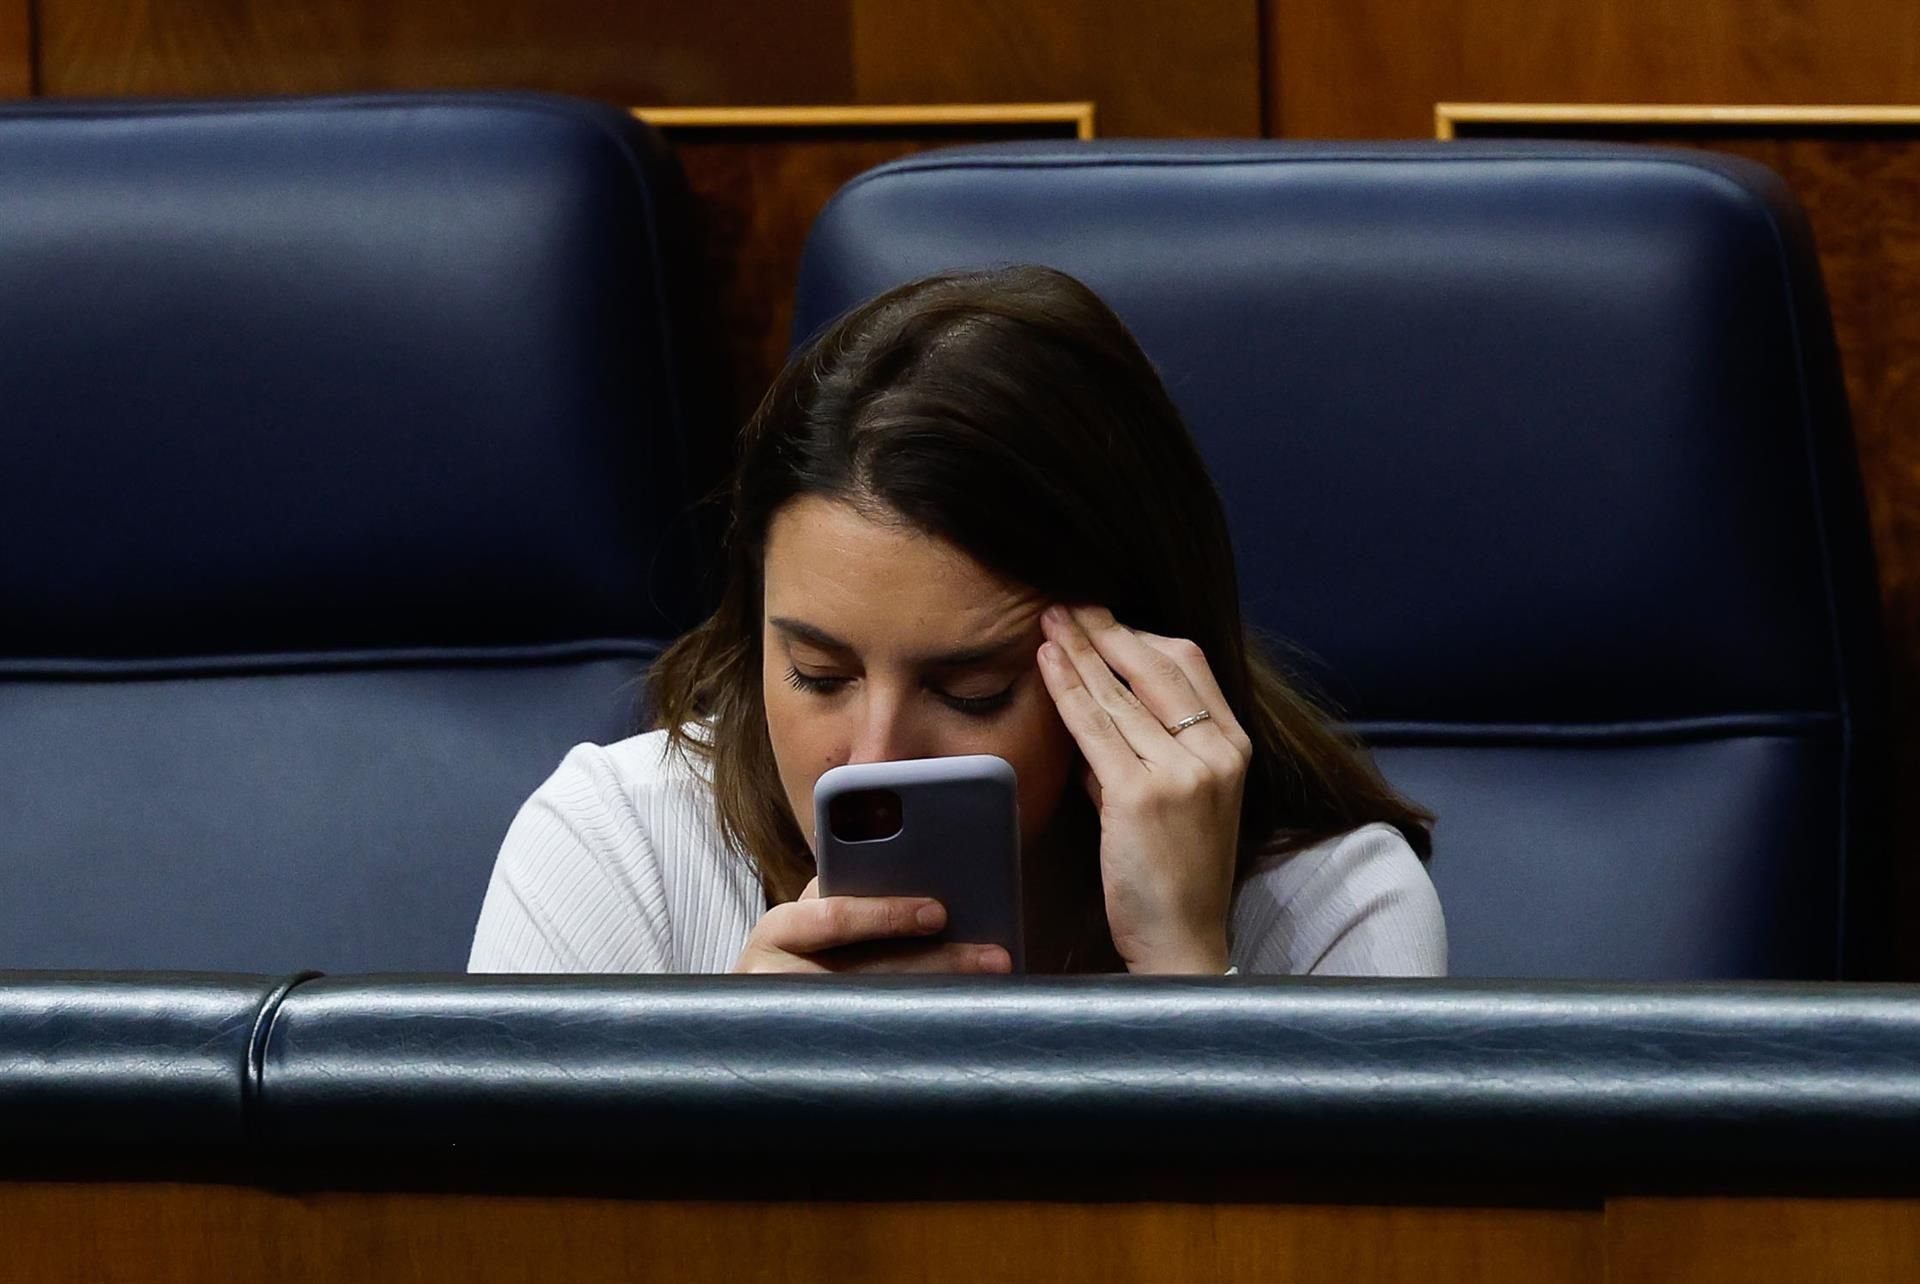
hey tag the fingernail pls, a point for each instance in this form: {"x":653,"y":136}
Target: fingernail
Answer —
{"x":929,"y":917}
{"x":995,"y":959}
{"x":1052,"y":615}
{"x":1049,"y":652}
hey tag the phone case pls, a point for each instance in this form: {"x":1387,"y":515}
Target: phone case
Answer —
{"x":959,"y":842}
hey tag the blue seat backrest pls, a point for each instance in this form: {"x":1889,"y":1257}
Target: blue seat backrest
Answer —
{"x":1537,"y":458}
{"x":348,"y":448}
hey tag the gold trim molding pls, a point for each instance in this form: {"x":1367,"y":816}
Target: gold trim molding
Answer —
{"x":1079,"y":115}
{"x":1448,"y":116}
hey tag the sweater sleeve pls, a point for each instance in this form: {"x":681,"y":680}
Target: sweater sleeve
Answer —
{"x":1360,"y":905}
{"x":577,"y":886}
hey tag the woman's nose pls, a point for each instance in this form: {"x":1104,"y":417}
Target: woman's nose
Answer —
{"x":884,"y":733}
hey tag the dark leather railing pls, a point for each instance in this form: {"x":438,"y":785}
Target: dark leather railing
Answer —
{"x":1803,"y":1084}
{"x":130,"y":1059}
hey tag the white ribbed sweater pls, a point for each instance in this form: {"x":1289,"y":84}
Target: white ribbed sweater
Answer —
{"x":616,"y":864}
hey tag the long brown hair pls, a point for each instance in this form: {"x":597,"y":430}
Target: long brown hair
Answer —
{"x":1011,"y":414}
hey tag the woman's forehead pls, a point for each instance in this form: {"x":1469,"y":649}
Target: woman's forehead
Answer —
{"x":878,"y":585}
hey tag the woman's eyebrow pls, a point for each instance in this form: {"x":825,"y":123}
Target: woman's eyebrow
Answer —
{"x":814,"y":635}
{"x":974,"y":654}
{"x":811,"y":634}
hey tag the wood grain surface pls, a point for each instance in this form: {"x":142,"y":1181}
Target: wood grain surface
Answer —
{"x":1155,"y":69}
{"x":64,"y":1233}
{"x":1361,"y":68}
{"x":16,"y":48}
{"x":1374,"y":68}
{"x":1763,"y":1241}
{"x":177,"y":1233}
{"x":742,"y":51}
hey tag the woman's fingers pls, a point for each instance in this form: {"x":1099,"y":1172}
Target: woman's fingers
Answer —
{"x":1157,"y":681}
{"x":862,"y":934}
{"x":1159,"y":691}
{"x":1138,"y":729}
{"x":946,"y":958}
{"x":1193,"y":662}
{"x":1107,"y":751}
{"x":827,"y":922}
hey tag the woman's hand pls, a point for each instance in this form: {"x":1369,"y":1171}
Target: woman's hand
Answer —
{"x":860,"y":934}
{"x":1169,"y":802}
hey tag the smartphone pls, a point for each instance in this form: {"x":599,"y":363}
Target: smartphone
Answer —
{"x":948,"y":828}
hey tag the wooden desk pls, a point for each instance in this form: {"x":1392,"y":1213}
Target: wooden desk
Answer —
{"x":173,"y":1233}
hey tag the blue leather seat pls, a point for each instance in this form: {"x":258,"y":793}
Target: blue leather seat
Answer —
{"x":1538,"y":456}
{"x":348,"y":449}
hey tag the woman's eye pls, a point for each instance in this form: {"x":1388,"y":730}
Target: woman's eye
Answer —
{"x":818,"y":685}
{"x":977,"y":706}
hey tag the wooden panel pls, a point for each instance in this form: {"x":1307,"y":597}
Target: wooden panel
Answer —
{"x":1700,"y":51}
{"x":171,"y":1234}
{"x":743,"y":51}
{"x":1359,"y":68}
{"x":756,"y":191}
{"x":1258,"y":1244}
{"x":1861,"y":188}
{"x":1152,"y":68}
{"x":16,"y":48}
{"x":1762,"y":1241}
{"x":1156,"y":69}
{"x":162,"y":1233}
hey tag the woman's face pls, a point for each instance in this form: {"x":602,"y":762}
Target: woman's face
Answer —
{"x":879,"y":642}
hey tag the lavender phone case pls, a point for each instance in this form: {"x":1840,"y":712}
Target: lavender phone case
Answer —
{"x":958,"y":842}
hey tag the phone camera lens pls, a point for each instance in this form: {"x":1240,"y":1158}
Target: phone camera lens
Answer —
{"x":865,"y":815}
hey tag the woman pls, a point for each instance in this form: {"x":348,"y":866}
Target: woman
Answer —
{"x":968,"y":519}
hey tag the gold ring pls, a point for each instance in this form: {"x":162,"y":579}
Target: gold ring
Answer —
{"x":1188,"y":721}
